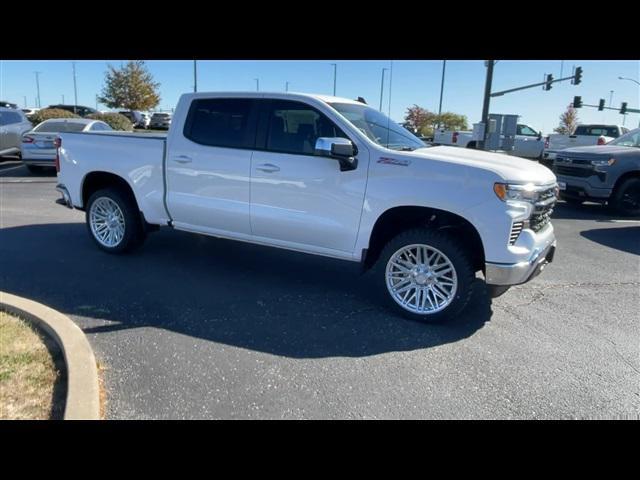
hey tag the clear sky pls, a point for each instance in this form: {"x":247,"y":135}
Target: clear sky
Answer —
{"x":412,"y":82}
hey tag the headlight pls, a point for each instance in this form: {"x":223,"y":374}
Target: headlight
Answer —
{"x":520,"y":193}
{"x":603,"y":163}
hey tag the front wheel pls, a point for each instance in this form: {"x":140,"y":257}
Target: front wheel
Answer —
{"x":626,"y":199}
{"x":424,"y":275}
{"x":113,"y":221}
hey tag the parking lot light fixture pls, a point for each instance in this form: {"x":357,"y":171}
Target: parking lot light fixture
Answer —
{"x":631,"y":79}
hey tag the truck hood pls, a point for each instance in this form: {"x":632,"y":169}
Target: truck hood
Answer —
{"x":507,"y":167}
{"x":597,"y":150}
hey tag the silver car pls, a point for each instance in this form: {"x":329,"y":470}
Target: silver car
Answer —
{"x":13,"y":123}
{"x":38,"y":149}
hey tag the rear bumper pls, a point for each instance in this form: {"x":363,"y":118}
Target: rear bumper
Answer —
{"x":66,"y":198}
{"x":518,"y":273}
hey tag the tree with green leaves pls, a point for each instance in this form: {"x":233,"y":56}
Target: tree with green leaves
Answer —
{"x":452,"y":121}
{"x":568,"y":121}
{"x":130,"y":87}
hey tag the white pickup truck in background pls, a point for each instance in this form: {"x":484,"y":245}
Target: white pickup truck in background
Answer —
{"x":583,"y":136}
{"x":528,"y":142}
{"x":326,"y":176}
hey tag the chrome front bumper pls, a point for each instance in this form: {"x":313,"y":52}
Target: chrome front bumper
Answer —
{"x":518,"y":273}
{"x":66,"y":198}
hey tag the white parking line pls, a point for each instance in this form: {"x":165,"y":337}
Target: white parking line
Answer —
{"x":3,"y":170}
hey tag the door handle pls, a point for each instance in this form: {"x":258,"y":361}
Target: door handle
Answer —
{"x":182,"y":159}
{"x":268,"y":168}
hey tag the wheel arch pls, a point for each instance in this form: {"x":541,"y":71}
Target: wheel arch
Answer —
{"x":399,"y":218}
{"x":624,"y":177}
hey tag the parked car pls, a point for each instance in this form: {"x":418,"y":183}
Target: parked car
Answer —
{"x":603,"y":173}
{"x":13,"y":123}
{"x":584,"y":135}
{"x":8,"y":104}
{"x":528,"y":142}
{"x":38,"y":149}
{"x":327,"y":176}
{"x":30,"y":111}
{"x":77,"y":109}
{"x":138,"y":119}
{"x":160,"y":120}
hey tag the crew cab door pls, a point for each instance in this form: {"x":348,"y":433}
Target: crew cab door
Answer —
{"x":528,"y":142}
{"x":208,"y":167}
{"x":299,"y":199}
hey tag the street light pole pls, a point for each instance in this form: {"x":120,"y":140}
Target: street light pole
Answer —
{"x":335,"y":75}
{"x":38,"y":87}
{"x":257,"y":84}
{"x":75,"y":89}
{"x":286,"y":86}
{"x":63,"y":98}
{"x":485,"y":103}
{"x":195,"y":77}
{"x":382,"y":87}
{"x":637,"y":83}
{"x":444,"y":66}
{"x":25,"y":101}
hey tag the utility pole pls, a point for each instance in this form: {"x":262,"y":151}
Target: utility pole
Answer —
{"x":75,"y":89}
{"x":444,"y":66}
{"x":382,"y":87}
{"x":25,"y":101}
{"x":257,"y":84}
{"x":286,"y":86}
{"x":335,"y":75}
{"x":38,"y":87}
{"x":195,"y":77}
{"x":485,"y":103}
{"x":63,"y":98}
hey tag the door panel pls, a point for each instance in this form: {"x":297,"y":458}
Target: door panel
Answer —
{"x":208,"y":167}
{"x":300,"y":197}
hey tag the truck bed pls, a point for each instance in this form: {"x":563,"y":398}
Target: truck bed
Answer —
{"x":137,"y":157}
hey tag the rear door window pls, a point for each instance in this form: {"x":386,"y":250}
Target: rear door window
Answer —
{"x":222,"y":122}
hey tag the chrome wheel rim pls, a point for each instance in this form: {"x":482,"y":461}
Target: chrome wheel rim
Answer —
{"x":107,"y":222}
{"x":421,"y":279}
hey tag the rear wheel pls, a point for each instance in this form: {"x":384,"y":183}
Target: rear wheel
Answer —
{"x":626,"y":198}
{"x":113,"y":221}
{"x":424,"y":275}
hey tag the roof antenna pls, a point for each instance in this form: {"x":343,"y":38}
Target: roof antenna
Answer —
{"x":361,"y":100}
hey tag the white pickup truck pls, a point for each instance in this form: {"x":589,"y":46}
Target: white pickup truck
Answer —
{"x":583,"y":136}
{"x":325,"y":176}
{"x":528,"y":142}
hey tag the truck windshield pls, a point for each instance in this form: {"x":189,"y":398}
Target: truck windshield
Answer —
{"x":631,"y":139}
{"x":378,"y":127}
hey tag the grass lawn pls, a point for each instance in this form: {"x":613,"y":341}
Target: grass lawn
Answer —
{"x":31,"y":385}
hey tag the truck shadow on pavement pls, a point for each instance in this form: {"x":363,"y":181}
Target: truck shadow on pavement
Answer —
{"x":259,"y":298}
{"x":626,"y":239}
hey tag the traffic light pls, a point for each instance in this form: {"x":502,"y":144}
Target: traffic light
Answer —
{"x":577,"y":102}
{"x":549,"y":79}
{"x":601,"y":104}
{"x":623,"y":108}
{"x":577,"y":76}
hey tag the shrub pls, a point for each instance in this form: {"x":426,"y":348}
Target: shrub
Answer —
{"x":47,"y":113}
{"x":114,"y":120}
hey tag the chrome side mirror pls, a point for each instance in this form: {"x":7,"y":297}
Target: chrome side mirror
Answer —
{"x":340,"y":149}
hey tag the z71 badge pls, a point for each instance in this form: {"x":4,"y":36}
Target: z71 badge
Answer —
{"x":394,"y":161}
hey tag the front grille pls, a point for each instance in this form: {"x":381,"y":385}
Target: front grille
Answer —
{"x":543,"y":209}
{"x":573,"y":171}
{"x":516,"y":228}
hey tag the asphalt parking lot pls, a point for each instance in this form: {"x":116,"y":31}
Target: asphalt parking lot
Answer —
{"x":197,"y":327}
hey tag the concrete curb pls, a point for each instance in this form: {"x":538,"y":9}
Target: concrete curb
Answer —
{"x":83,"y":397}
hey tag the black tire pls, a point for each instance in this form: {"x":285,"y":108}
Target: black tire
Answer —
{"x":34,"y":168}
{"x":134,"y":232}
{"x":451,"y":248}
{"x":626,"y":198}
